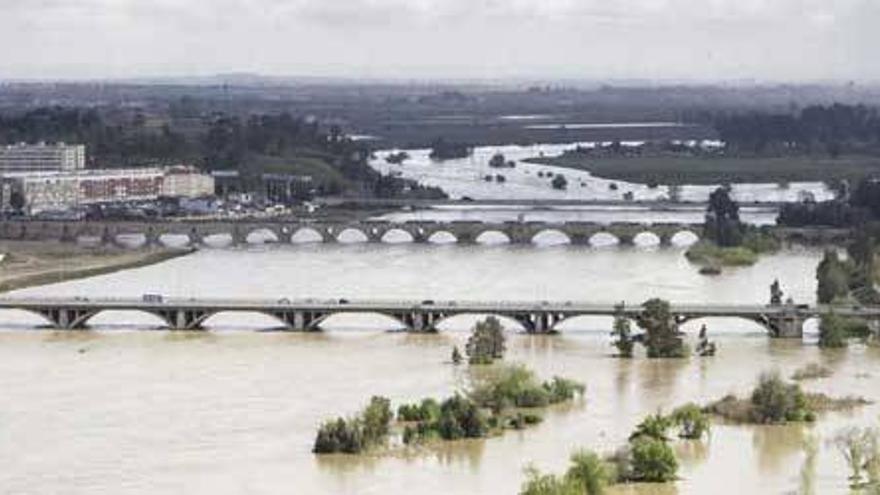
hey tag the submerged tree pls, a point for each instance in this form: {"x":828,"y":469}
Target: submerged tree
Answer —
{"x":861,"y":449}
{"x":832,"y":276}
{"x":722,"y":219}
{"x":832,"y":331}
{"x":691,"y":420}
{"x":456,"y":355}
{"x":486,"y":343}
{"x":662,"y":338}
{"x":559,"y":182}
{"x":622,"y":332}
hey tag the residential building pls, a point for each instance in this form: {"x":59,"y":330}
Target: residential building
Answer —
{"x":42,"y":157}
{"x":187,"y":182}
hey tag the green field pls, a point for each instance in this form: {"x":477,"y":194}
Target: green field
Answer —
{"x":312,"y":164}
{"x":719,"y":170}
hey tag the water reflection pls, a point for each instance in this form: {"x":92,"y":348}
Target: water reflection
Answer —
{"x":774,"y":445}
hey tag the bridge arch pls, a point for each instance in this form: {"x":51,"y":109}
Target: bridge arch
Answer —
{"x":551,"y":237}
{"x":464,"y":322}
{"x":261,"y":236}
{"x":174,"y":240}
{"x":603,"y":239}
{"x":397,"y":236}
{"x":725,"y":325}
{"x":684,"y":238}
{"x":218,"y":240}
{"x":123,"y":317}
{"x":351,"y":235}
{"x":492,"y":237}
{"x":442,"y":237}
{"x":306,"y":235}
{"x":130,"y":240}
{"x":241,"y":320}
{"x":88,"y":240}
{"x":646,"y":239}
{"x":348,"y":319}
{"x":27,"y":317}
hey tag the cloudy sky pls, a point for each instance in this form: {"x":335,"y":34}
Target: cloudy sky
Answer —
{"x":781,"y":40}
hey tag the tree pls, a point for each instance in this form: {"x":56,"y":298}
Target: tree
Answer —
{"x":354,"y":435}
{"x":774,"y":401}
{"x":559,"y":182}
{"x":832,"y":276}
{"x":546,"y":484}
{"x":461,"y":418}
{"x":622,"y":332}
{"x":498,"y":161}
{"x":861,"y":449}
{"x":589,"y":473}
{"x":832,"y":331}
{"x":722,"y":219}
{"x":662,"y":338}
{"x":486,"y":342}
{"x":456,"y":355}
{"x":654,"y":426}
{"x":692,"y":422}
{"x":653,"y":460}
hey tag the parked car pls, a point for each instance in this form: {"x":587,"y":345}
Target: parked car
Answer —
{"x":343,"y":301}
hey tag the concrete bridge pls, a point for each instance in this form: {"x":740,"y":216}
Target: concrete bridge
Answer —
{"x":283,"y":230}
{"x":782,"y":321}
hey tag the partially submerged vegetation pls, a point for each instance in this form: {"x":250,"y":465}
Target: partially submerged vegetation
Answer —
{"x":726,"y":240}
{"x":486,"y":343}
{"x":647,"y":457}
{"x":660,"y":333}
{"x":773,"y":401}
{"x":860,"y":447}
{"x":498,"y":399}
{"x":354,"y":435}
{"x":811,"y":371}
{"x":661,"y":338}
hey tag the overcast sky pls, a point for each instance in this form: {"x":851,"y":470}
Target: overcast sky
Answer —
{"x":781,"y":40}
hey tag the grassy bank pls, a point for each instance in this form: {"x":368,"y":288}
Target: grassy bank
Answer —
{"x":62,"y":264}
{"x":674,"y":169}
{"x":755,"y":242}
{"x":708,"y":254}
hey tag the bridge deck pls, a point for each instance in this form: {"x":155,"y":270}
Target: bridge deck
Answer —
{"x":363,"y":305}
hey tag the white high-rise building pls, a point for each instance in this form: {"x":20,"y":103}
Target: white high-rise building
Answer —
{"x":42,"y":157}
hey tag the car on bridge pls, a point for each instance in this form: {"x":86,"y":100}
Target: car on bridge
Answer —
{"x":152,"y":298}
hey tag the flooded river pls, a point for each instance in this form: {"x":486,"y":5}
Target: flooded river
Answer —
{"x":127,"y":411}
{"x":466,"y":177}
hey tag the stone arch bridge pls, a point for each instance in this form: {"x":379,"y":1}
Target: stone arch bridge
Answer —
{"x":783,"y":321}
{"x":464,"y":232}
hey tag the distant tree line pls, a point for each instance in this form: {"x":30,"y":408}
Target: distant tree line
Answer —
{"x":862,"y":205}
{"x":219,"y":141}
{"x":834,"y":129}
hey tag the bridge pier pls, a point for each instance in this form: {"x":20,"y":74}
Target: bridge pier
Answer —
{"x":68,"y":318}
{"x":184,"y":319}
{"x":788,"y":325}
{"x":419,"y":321}
{"x":540,"y":323}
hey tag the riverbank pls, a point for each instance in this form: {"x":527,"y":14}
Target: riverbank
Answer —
{"x":30,"y":263}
